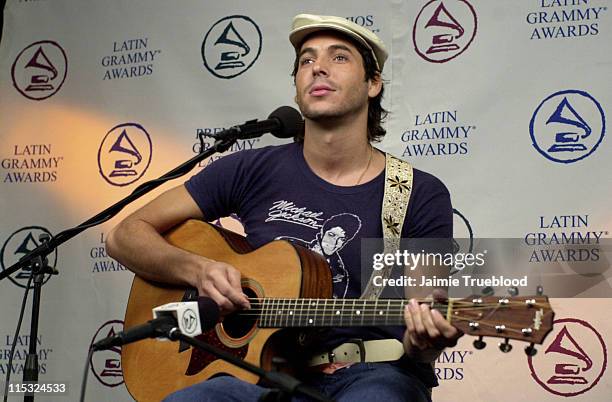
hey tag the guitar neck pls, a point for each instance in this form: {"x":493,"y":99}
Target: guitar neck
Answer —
{"x":282,"y":313}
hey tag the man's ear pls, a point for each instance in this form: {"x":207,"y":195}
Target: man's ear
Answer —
{"x":374,"y":85}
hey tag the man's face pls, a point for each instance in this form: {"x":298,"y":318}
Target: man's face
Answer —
{"x":330,"y":79}
{"x":333,"y":240}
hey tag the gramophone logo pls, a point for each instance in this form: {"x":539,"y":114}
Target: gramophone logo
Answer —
{"x":19,"y":244}
{"x":567,"y":126}
{"x":574,"y":358}
{"x":106,"y":364}
{"x":444,"y":29}
{"x":231,"y":46}
{"x":125,"y":154}
{"x":190,"y":321}
{"x":40,"y":70}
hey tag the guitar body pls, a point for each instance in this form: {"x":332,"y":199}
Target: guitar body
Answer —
{"x":294,"y":286}
{"x":153,"y":369}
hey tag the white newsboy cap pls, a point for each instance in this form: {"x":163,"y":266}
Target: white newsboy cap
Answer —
{"x":305,"y":24}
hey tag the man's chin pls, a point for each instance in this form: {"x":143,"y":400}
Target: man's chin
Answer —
{"x":321,"y":115}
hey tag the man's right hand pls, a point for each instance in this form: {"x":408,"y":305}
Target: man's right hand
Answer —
{"x":221,"y":282}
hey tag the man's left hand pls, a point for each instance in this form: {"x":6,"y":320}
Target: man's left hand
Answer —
{"x":427,"y":332}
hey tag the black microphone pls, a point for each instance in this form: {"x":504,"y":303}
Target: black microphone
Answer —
{"x":180,"y":315}
{"x":284,"y":122}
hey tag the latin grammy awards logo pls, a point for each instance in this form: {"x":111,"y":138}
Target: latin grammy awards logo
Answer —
{"x":189,"y":321}
{"x":574,"y":360}
{"x":19,"y":244}
{"x":444,"y":29}
{"x":106,"y":364}
{"x":39,"y":70}
{"x":231,"y":46}
{"x":567,"y":126}
{"x":125,"y":154}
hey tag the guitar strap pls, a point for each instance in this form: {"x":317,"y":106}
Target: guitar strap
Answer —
{"x":398,"y":187}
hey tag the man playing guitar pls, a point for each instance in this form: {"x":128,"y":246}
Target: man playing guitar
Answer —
{"x":323,"y":191}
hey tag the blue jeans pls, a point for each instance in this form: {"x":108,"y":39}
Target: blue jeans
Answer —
{"x":360,"y":382}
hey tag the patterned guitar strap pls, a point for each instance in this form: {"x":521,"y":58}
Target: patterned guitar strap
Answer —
{"x":398,"y":187}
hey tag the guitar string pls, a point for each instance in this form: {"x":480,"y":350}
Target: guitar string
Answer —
{"x":302,"y":305}
{"x":456,"y":303}
{"x":322,"y":314}
{"x":486,"y":323}
{"x":376,"y":311}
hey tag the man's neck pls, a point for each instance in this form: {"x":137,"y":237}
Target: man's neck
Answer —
{"x":340,"y":153}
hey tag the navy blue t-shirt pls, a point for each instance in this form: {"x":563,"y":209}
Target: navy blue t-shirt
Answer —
{"x":276,"y":195}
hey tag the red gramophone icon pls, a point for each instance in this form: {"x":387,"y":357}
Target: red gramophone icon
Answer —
{"x":40,"y":81}
{"x":112,"y":366}
{"x":443,"y":42}
{"x":568,"y":373}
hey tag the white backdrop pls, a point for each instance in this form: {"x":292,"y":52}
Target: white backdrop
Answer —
{"x":506,"y":102}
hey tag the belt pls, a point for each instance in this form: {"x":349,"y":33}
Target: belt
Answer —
{"x":359,"y":351}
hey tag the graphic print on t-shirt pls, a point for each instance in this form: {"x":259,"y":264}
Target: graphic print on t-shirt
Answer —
{"x":332,"y":235}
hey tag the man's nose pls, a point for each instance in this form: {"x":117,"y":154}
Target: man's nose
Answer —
{"x":320,"y":67}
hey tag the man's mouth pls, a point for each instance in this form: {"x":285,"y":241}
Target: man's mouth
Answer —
{"x":320,"y":90}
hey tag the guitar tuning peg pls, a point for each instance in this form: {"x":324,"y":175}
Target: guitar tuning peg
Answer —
{"x":505,"y":346}
{"x":530,"y":350}
{"x":513,"y":291}
{"x":479,"y":343}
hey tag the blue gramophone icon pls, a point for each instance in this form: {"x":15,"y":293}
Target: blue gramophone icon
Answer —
{"x":123,"y":167}
{"x":441,"y":18}
{"x":568,"y":141}
{"x":230,"y":59}
{"x":40,"y":82}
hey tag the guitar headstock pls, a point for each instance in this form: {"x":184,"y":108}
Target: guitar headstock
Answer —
{"x":527,"y":318}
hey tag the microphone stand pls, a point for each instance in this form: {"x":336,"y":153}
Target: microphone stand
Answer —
{"x":286,"y":384}
{"x":36,"y":260}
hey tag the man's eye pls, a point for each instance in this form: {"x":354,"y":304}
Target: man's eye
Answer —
{"x":340,"y":57}
{"x":305,"y":61}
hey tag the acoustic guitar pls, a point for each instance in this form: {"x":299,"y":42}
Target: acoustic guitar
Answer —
{"x":290,"y":291}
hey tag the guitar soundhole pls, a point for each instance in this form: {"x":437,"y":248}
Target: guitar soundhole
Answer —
{"x":240,"y":324}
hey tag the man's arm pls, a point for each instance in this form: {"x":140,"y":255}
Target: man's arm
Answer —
{"x":138,"y":244}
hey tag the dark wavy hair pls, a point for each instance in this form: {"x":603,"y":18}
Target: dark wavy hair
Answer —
{"x":376,"y":113}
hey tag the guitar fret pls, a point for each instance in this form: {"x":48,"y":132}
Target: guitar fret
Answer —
{"x":270,"y":310}
{"x":293,"y":312}
{"x":275,"y":312}
{"x":264,"y":313}
{"x":364,"y":311}
{"x":387,"y":312}
{"x":375,"y":313}
{"x":312,"y":320}
{"x":301,"y":312}
{"x":324,"y":313}
{"x":286,"y":309}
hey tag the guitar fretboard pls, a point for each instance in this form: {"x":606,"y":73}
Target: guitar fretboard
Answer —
{"x":281,"y":313}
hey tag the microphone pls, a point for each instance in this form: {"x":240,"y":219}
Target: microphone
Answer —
{"x":284,"y":122}
{"x":191,"y":318}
